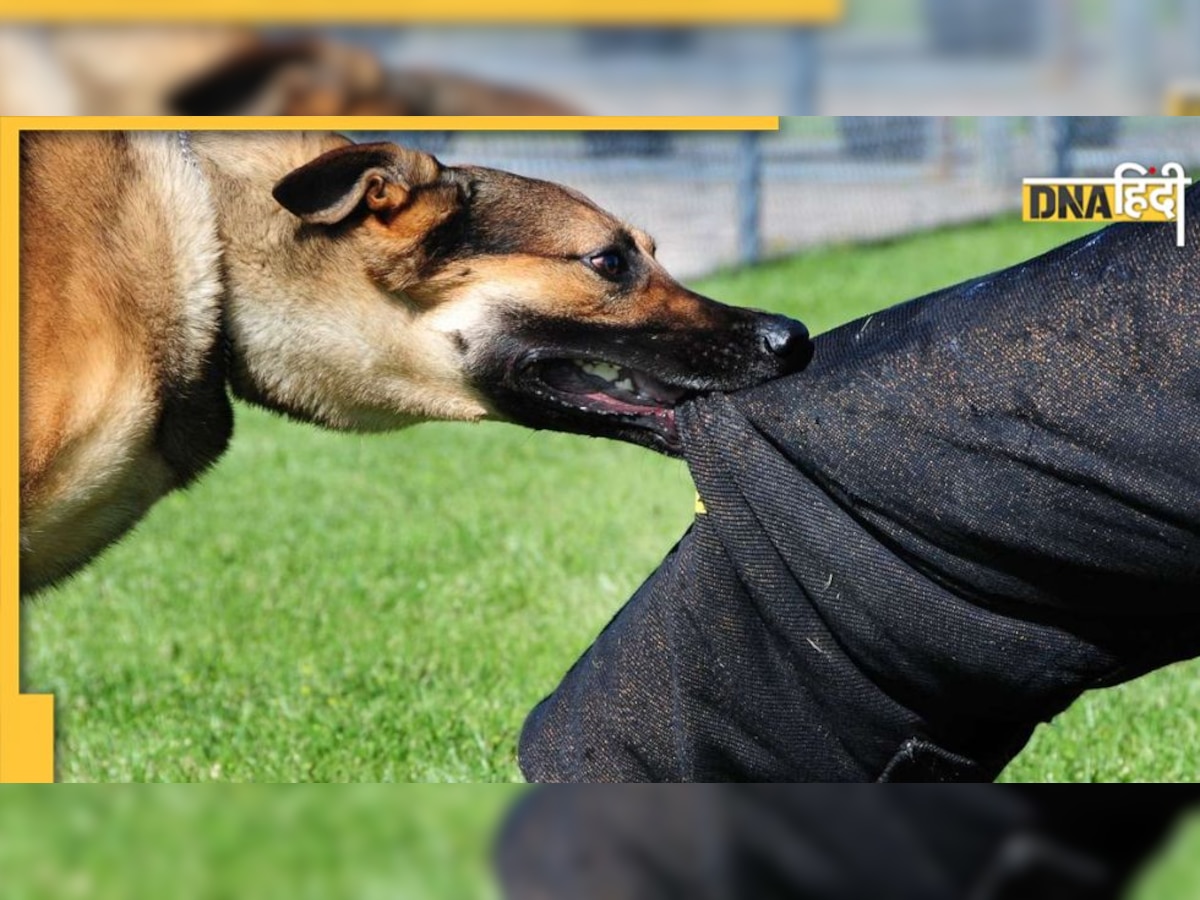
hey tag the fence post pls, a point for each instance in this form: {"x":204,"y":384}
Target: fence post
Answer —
{"x":1054,"y":139}
{"x":944,"y":142}
{"x":1063,"y":139}
{"x":749,"y":194}
{"x":802,"y":76}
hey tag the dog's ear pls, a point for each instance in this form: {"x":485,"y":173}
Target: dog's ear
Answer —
{"x":232,"y":87}
{"x":380,"y":176}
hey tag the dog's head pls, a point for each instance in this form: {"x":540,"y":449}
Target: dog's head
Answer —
{"x":526,"y":296}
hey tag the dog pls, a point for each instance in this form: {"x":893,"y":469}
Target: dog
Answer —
{"x":360,"y":287}
{"x":231,"y":70}
{"x":319,"y":77}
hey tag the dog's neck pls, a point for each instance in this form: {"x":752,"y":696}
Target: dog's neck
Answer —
{"x":259,"y":255}
{"x":310,"y":334}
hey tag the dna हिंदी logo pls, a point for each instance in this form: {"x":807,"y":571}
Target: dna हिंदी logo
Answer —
{"x":1133,"y":194}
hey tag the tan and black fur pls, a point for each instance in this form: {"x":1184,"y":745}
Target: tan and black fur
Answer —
{"x":358,"y":287}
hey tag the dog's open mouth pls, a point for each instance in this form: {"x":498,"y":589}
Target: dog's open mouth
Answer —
{"x":605,"y":389}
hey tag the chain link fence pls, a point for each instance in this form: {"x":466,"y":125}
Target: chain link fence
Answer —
{"x":715,"y":200}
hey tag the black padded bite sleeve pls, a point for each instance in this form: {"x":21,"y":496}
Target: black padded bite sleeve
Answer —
{"x":969,"y":509}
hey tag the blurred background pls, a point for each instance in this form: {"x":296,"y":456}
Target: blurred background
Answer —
{"x":1099,"y":57}
{"x":917,"y":57}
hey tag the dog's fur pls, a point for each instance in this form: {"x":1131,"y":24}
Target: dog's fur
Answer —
{"x":360,"y":287}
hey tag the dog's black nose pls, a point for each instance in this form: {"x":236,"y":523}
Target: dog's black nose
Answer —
{"x":788,"y":340}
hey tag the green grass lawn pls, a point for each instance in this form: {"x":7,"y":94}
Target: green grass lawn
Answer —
{"x":267,"y":842}
{"x":324,"y":607}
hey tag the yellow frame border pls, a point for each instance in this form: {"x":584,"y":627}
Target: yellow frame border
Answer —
{"x":473,"y":12}
{"x":27,"y":720}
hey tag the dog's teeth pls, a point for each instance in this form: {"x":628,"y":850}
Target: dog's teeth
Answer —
{"x":601,"y":370}
{"x":626,"y":385}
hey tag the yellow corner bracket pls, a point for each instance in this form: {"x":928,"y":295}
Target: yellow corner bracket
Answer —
{"x":26,"y":720}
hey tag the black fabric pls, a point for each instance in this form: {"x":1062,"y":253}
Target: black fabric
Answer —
{"x":969,"y":509}
{"x":840,"y":842}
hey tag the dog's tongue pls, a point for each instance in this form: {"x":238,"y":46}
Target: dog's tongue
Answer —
{"x":607,"y":389}
{"x":616,"y":404}
{"x":608,"y":403}
{"x":610,"y":387}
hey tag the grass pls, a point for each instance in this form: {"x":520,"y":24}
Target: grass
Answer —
{"x":270,"y":842}
{"x":324,"y":607}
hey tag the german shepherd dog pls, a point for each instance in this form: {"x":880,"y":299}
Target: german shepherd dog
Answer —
{"x":361,"y":287}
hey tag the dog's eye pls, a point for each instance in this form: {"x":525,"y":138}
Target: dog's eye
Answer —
{"x":610,"y":264}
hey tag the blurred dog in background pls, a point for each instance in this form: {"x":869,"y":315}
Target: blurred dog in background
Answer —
{"x":230,"y":70}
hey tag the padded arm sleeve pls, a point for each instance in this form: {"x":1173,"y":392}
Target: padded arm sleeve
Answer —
{"x":969,"y":509}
